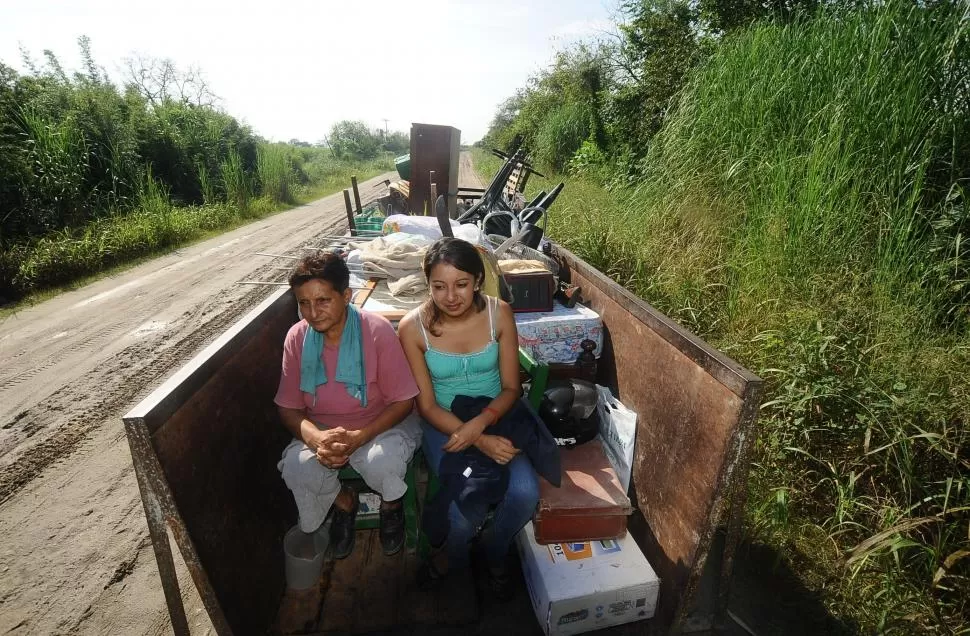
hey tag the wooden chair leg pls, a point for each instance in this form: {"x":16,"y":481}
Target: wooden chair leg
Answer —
{"x":424,"y":546}
{"x":412,"y":521}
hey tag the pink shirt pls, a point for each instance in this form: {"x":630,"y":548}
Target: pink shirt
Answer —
{"x":388,"y":375}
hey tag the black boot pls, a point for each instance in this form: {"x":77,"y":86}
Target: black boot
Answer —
{"x":392,"y":528}
{"x":343,"y":528}
{"x":500,"y":583}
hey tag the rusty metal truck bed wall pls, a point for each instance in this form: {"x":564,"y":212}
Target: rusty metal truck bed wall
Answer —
{"x":216,"y":438}
{"x":696,"y":410}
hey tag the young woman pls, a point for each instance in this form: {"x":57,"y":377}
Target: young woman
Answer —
{"x":461,"y":342}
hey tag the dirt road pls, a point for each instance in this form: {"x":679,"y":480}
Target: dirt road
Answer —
{"x":75,"y":555}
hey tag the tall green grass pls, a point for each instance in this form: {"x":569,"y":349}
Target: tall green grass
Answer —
{"x":155,"y":225}
{"x":236,"y":182}
{"x":274,"y":172}
{"x":803,"y":210}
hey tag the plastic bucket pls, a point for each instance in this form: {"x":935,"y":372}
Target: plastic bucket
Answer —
{"x":304,"y":555}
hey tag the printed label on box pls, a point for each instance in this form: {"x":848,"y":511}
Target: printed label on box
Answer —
{"x":561,"y":552}
{"x":370,"y":504}
{"x":573,"y":617}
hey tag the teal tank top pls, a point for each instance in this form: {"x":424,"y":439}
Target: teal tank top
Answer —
{"x":470,"y":374}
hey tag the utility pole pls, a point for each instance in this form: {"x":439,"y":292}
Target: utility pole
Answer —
{"x":385,"y":128}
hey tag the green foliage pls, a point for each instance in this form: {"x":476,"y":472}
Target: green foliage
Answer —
{"x":396,"y":142}
{"x":73,"y":147}
{"x":561,"y":135}
{"x":353,"y":140}
{"x":588,"y":160}
{"x":236,"y":182}
{"x":802,"y":208}
{"x":661,"y":43}
{"x":91,"y":175}
{"x":275,"y":174}
{"x":557,"y":112}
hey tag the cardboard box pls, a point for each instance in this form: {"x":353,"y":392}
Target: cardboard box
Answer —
{"x":579,"y":587}
{"x":369,"y":505}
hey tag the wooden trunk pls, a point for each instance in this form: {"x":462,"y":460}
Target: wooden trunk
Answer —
{"x":588,"y":506}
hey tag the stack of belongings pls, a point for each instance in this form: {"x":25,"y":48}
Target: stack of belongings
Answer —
{"x":583,"y":570}
{"x":591,"y":504}
{"x":398,"y":255}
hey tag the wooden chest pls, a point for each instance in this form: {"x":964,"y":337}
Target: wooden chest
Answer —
{"x":590,"y":505}
{"x":531,"y":291}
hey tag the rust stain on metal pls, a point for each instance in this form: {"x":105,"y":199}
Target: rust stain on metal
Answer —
{"x":207,"y":471}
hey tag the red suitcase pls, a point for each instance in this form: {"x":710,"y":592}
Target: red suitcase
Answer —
{"x":590,"y":505}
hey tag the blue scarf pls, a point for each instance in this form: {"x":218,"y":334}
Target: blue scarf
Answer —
{"x":350,"y":360}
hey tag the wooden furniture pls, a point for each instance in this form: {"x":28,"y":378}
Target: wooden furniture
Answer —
{"x":433,"y":149}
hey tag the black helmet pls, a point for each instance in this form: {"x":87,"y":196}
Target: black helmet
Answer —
{"x":568,"y":408}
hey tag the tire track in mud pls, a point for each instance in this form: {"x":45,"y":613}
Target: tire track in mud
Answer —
{"x":125,"y":376}
{"x":92,"y":411}
{"x":105,"y":336}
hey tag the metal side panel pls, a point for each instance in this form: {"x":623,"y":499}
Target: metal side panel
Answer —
{"x":696,"y":413}
{"x":205,"y":445}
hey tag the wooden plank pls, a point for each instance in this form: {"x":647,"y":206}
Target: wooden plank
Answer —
{"x":383,"y":614}
{"x":371,"y":592}
{"x":350,"y":212}
{"x":394,"y":316}
{"x":300,"y":609}
{"x":353,"y":183}
{"x":364,"y":293}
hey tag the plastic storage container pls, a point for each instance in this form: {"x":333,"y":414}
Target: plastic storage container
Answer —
{"x":403,"y":166}
{"x":304,"y":555}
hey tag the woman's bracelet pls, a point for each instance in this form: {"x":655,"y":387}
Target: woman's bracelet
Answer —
{"x":495,"y":415}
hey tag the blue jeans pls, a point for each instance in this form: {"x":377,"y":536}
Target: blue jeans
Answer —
{"x":513,"y":512}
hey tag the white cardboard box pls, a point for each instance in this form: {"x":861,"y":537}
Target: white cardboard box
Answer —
{"x":579,"y":587}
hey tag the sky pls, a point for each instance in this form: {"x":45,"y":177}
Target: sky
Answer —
{"x":291,"y":68}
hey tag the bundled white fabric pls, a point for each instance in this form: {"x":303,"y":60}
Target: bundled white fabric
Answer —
{"x":408,"y":286}
{"x":397,"y":256}
{"x":428,"y":227}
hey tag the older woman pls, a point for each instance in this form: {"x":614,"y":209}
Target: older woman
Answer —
{"x":346,"y":394}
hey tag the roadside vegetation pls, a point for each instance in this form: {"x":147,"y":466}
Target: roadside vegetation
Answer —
{"x":792,"y":187}
{"x":93,"y":175}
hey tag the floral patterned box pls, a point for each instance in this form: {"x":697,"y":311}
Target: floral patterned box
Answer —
{"x":554,"y":336}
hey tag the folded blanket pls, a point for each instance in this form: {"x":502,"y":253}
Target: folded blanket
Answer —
{"x":392,"y":256}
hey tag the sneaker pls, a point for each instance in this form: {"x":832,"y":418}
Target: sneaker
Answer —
{"x":392,"y":529}
{"x":343,"y":529}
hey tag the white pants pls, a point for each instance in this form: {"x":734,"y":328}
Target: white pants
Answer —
{"x":382,"y":462}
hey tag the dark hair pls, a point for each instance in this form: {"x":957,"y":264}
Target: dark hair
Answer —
{"x":461,"y":255}
{"x":326,"y":266}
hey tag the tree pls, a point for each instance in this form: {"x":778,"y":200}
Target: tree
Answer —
{"x":397,"y":142}
{"x":159,"y":80}
{"x":352,"y":140}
